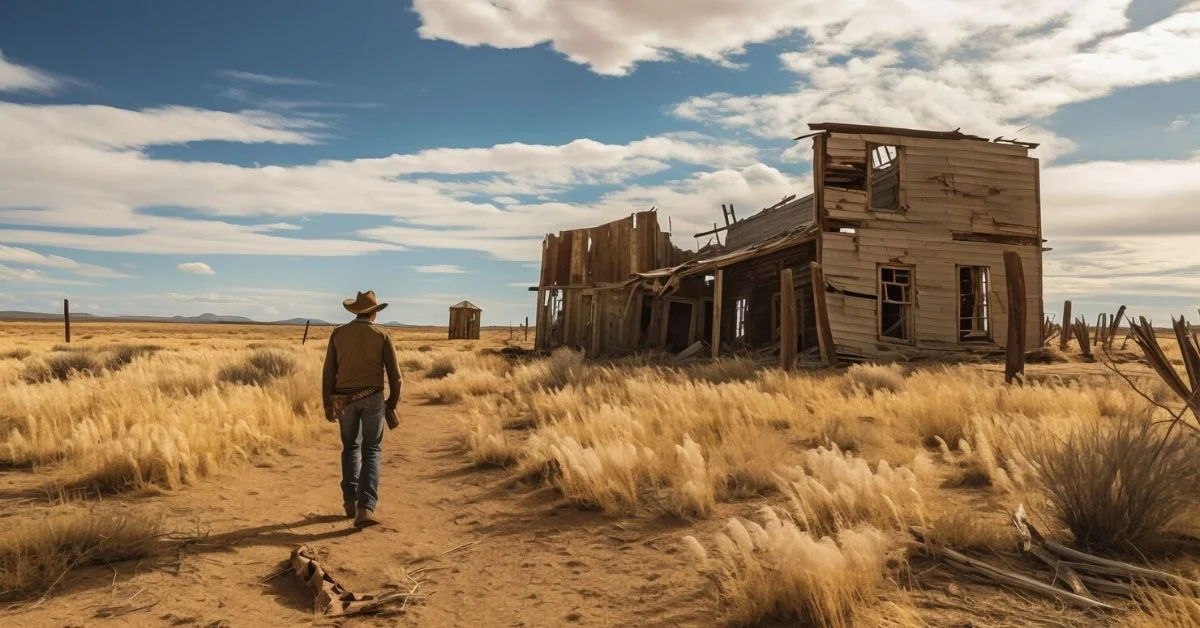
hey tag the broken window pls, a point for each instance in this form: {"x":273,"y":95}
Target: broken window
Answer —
{"x":884,"y":175}
{"x":974,"y":315}
{"x":895,"y":303}
{"x":740,"y":309}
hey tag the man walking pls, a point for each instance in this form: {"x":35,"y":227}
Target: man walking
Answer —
{"x":358,"y":357}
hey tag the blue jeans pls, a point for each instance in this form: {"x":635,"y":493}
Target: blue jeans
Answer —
{"x":362,"y":431}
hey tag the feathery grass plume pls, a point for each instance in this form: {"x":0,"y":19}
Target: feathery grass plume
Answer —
{"x":872,"y":377}
{"x":777,"y":571}
{"x":1121,"y":484}
{"x":833,"y":491}
{"x":485,"y":441}
{"x":468,"y":383}
{"x":35,"y":555}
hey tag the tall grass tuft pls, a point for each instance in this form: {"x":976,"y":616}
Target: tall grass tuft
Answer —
{"x":62,"y":365}
{"x":441,"y":368}
{"x":16,"y":354}
{"x":261,"y":367}
{"x":778,"y":572}
{"x":36,"y":554}
{"x":1122,"y":484}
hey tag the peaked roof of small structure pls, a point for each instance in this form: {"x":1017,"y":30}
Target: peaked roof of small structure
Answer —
{"x":465,"y":305}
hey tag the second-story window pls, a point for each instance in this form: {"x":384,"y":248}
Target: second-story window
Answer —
{"x":883,"y":177}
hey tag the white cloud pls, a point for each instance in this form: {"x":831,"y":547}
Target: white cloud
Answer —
{"x":1181,"y":122}
{"x":18,"y":78}
{"x":86,"y":167}
{"x":196,"y":268}
{"x":993,"y":72}
{"x":26,"y":257}
{"x":440,"y":269}
{"x":266,"y":79}
{"x":9,"y":274}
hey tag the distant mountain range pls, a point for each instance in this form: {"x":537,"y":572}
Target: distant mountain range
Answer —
{"x":208,"y":318}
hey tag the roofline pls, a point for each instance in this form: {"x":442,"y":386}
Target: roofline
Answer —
{"x":839,"y":127}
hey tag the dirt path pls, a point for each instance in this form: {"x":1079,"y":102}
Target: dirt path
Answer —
{"x":495,"y":555}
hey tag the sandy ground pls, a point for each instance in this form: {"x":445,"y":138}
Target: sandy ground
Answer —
{"x":494,"y":554}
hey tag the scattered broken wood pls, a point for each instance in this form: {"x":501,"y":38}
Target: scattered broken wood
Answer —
{"x":1076,"y":577}
{"x":331,"y":598}
{"x":1005,"y":577}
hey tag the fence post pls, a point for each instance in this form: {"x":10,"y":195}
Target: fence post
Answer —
{"x":305,"y":339}
{"x":67,"y":319}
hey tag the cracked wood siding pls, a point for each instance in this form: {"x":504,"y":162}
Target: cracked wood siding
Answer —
{"x":948,"y":186}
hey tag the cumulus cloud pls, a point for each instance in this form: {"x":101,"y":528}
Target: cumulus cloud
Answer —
{"x":19,"y":78}
{"x":440,"y":269}
{"x":936,"y":64}
{"x":86,"y":167}
{"x":196,"y":268}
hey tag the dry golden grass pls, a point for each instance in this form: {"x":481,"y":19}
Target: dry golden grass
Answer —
{"x":36,"y":554}
{"x":163,"y":405}
{"x":778,"y":571}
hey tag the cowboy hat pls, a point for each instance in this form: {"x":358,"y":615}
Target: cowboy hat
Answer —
{"x":364,"y":303}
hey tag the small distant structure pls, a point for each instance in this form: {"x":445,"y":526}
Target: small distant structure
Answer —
{"x":464,"y":321}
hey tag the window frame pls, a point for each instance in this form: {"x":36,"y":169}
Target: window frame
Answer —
{"x":911,"y":319}
{"x":901,"y":200}
{"x":987,"y":305}
{"x":741,"y":312}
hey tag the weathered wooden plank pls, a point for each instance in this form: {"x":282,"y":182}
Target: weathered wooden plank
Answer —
{"x":718,"y":297}
{"x":1015,"y":351}
{"x":821,"y":313}
{"x":787,"y":319}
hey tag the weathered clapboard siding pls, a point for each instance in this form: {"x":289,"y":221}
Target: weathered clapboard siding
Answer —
{"x":770,"y":222}
{"x":851,"y":264}
{"x":948,"y":186}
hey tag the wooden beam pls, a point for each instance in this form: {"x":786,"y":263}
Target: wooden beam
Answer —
{"x":597,"y":329}
{"x":718,"y":288}
{"x":1014,"y":362}
{"x":1067,"y":324}
{"x":821,"y":314}
{"x":541,"y":322}
{"x":787,"y":320}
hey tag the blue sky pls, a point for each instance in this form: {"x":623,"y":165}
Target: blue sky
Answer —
{"x":271,"y":158}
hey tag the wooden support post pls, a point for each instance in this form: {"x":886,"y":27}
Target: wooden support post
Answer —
{"x":1067,"y":324}
{"x":787,"y":320}
{"x":597,"y":328}
{"x":67,"y":320}
{"x":1014,"y":362}
{"x":718,"y":297}
{"x":821,"y":316}
{"x":526,"y":329}
{"x":305,"y":338}
{"x":540,"y":317}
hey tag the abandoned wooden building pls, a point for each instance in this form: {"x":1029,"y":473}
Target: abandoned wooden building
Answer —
{"x":904,"y":239}
{"x":464,"y":321}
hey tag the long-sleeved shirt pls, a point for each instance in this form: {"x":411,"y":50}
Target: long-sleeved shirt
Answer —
{"x":358,"y":357}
